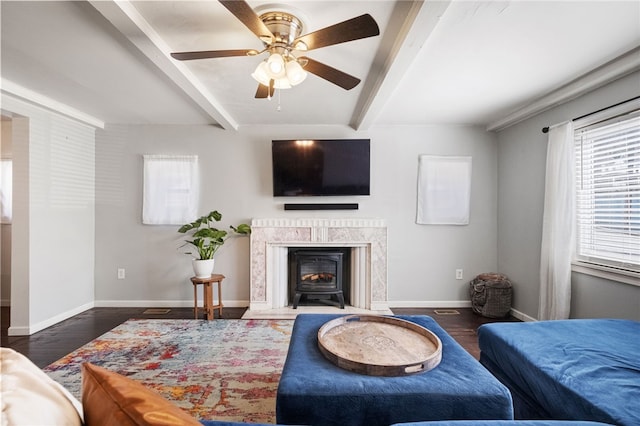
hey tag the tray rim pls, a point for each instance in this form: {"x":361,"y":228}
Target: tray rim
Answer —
{"x":373,"y":369}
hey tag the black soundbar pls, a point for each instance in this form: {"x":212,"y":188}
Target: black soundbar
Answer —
{"x":321,"y":206}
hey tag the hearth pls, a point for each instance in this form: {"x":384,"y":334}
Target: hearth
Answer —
{"x":319,"y":275}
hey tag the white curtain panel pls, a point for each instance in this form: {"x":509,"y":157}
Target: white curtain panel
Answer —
{"x":171,"y":189}
{"x":444,"y":190}
{"x":558,"y":225}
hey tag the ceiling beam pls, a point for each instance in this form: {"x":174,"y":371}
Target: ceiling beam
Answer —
{"x":15,"y":90}
{"x":126,"y":19}
{"x":410,"y":26}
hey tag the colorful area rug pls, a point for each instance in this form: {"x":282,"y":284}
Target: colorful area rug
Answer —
{"x":215,"y":370}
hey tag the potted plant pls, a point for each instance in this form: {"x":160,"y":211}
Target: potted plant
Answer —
{"x":207,"y":240}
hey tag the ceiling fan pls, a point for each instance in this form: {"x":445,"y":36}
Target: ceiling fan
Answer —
{"x":280,"y":33}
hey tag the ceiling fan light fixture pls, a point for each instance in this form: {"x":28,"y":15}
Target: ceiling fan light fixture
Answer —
{"x":295,"y":73}
{"x":276,"y":65}
{"x":261,"y":74}
{"x":282,"y":83}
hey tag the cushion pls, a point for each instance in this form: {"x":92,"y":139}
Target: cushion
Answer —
{"x":24,"y":387}
{"x":109,"y":398}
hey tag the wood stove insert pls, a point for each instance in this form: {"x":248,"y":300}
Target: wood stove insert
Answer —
{"x":319,"y":273}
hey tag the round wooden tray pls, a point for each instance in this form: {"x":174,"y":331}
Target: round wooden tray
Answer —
{"x":379,"y":345}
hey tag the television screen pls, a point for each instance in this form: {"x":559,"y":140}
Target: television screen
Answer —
{"x":320,"y":167}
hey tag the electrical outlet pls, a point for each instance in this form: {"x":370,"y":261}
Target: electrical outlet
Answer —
{"x":121,"y":273}
{"x":458,"y":274}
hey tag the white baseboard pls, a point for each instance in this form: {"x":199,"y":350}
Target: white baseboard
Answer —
{"x":522,"y":316}
{"x":164,"y":303}
{"x":430,"y":304}
{"x":451,"y":304}
{"x":34,"y":328}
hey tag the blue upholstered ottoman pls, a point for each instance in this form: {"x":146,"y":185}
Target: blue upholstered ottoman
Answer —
{"x":506,"y":423}
{"x":313,"y":391}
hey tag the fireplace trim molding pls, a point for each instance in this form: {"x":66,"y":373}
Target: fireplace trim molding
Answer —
{"x":271,"y":238}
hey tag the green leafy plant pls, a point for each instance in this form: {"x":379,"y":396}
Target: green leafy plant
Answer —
{"x":207,"y":239}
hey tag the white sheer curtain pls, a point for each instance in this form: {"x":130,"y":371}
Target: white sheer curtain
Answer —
{"x":444,"y":190}
{"x":558,"y":225}
{"x":171,"y":189}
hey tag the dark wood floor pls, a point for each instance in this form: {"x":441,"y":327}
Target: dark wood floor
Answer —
{"x":53,"y":343}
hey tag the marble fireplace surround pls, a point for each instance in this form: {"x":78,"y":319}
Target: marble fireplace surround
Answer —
{"x":271,"y":239}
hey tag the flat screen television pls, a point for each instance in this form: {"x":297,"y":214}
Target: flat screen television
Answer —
{"x":320,"y":167}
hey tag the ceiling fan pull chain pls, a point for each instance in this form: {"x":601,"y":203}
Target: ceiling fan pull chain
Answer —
{"x":279,"y":108}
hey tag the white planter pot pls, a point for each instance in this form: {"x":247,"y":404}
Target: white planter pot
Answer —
{"x":203,"y":268}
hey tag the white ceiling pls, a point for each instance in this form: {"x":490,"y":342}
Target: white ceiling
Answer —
{"x":453,"y":62}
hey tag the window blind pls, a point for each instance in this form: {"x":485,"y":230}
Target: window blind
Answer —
{"x":608,"y":192}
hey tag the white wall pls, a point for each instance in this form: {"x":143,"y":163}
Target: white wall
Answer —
{"x":236,"y":180}
{"x":53,"y":225}
{"x":522,"y":152}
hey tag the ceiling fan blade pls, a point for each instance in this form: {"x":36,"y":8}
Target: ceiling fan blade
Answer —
{"x":249,"y":18}
{"x":206,"y":54}
{"x":362,"y":26}
{"x":264,"y":91}
{"x":331,"y":74}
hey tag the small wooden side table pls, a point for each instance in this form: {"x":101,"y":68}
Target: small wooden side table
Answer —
{"x":207,"y":283}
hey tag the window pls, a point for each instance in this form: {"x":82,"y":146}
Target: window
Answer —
{"x":608,"y":192}
{"x":171,"y":189}
{"x":6,"y":190}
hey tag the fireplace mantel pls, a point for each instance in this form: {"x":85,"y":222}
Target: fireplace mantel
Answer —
{"x":272,"y":237}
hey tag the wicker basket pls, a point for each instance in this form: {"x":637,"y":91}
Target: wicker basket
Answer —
{"x":491,"y":295}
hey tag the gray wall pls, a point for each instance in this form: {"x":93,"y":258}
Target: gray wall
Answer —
{"x":52,"y":261}
{"x":236,"y":180}
{"x":59,"y":231}
{"x":522,"y":150}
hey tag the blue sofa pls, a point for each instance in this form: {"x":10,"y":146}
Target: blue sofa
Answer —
{"x":573,"y":369}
